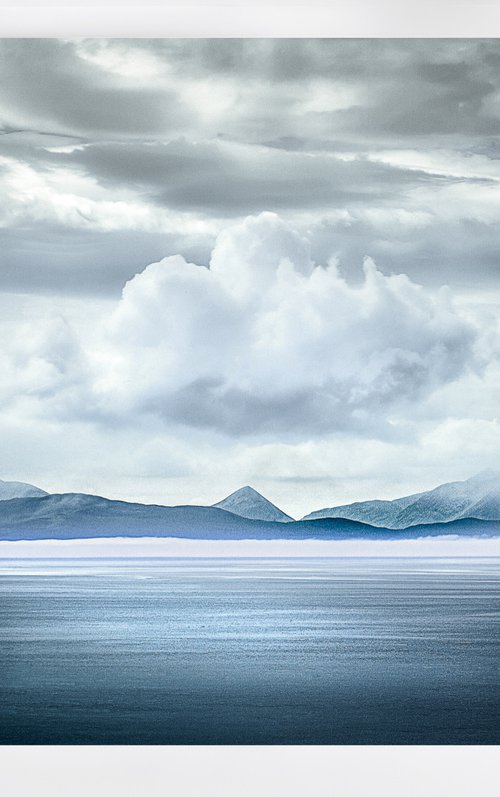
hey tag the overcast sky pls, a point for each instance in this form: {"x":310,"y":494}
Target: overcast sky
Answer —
{"x":266,"y":262}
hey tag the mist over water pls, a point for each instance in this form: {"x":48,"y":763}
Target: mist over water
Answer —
{"x":250,"y":651}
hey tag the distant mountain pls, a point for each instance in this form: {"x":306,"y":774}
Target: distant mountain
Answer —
{"x":247,"y":502}
{"x":74,"y":515}
{"x":477,"y":497}
{"x":10,"y":490}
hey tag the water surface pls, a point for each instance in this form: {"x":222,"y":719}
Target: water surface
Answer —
{"x":242,"y":651}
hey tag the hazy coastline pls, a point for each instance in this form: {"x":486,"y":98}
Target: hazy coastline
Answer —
{"x":168,"y":546}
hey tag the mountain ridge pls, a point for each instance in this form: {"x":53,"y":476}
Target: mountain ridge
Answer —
{"x":79,"y":515}
{"x":13,"y":489}
{"x":475,"y":501}
{"x":477,"y":497}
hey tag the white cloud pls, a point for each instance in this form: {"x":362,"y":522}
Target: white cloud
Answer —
{"x":447,"y":163}
{"x":66,"y":197}
{"x":44,"y":368}
{"x":267,"y":341}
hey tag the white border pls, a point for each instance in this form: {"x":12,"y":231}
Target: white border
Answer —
{"x":251,"y":771}
{"x":359,"y":18}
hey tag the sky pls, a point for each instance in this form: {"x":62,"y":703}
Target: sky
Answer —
{"x":268,"y":262}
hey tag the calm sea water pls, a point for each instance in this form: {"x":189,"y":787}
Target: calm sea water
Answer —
{"x":165,"y":651}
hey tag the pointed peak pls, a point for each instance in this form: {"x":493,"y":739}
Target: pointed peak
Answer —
{"x":249,"y":503}
{"x":246,"y":490}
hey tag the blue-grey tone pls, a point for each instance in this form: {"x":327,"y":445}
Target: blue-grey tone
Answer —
{"x":10,"y":490}
{"x":89,"y":516}
{"x":375,"y":651}
{"x":249,"y":503}
{"x":477,"y":497}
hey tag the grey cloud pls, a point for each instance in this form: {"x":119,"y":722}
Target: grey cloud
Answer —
{"x":45,"y":81}
{"x":217,"y":178}
{"x":413,"y":93}
{"x":302,"y":59}
{"x":208,"y":403}
{"x":459,"y":252}
{"x":313,"y":411}
{"x":47,"y":258}
{"x":413,"y":87}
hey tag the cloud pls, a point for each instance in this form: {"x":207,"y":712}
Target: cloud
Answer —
{"x":61,"y":231}
{"x":267,"y":342}
{"x":44,"y":370}
{"x":323,"y":89}
{"x":116,"y":152}
{"x":262,"y":343}
{"x":223,"y":178}
{"x":54,"y":85}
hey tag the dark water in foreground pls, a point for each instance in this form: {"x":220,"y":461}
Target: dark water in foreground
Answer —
{"x":165,"y":651}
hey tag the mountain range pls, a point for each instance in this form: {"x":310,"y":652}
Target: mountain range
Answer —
{"x":75,"y":515}
{"x":477,"y":497}
{"x":469,"y":508}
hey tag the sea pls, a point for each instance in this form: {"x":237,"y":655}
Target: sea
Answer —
{"x":331,"y":651}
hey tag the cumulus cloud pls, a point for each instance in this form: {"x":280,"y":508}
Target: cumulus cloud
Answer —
{"x":266,"y":341}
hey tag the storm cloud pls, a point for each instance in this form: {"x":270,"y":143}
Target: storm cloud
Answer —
{"x":154,"y":146}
